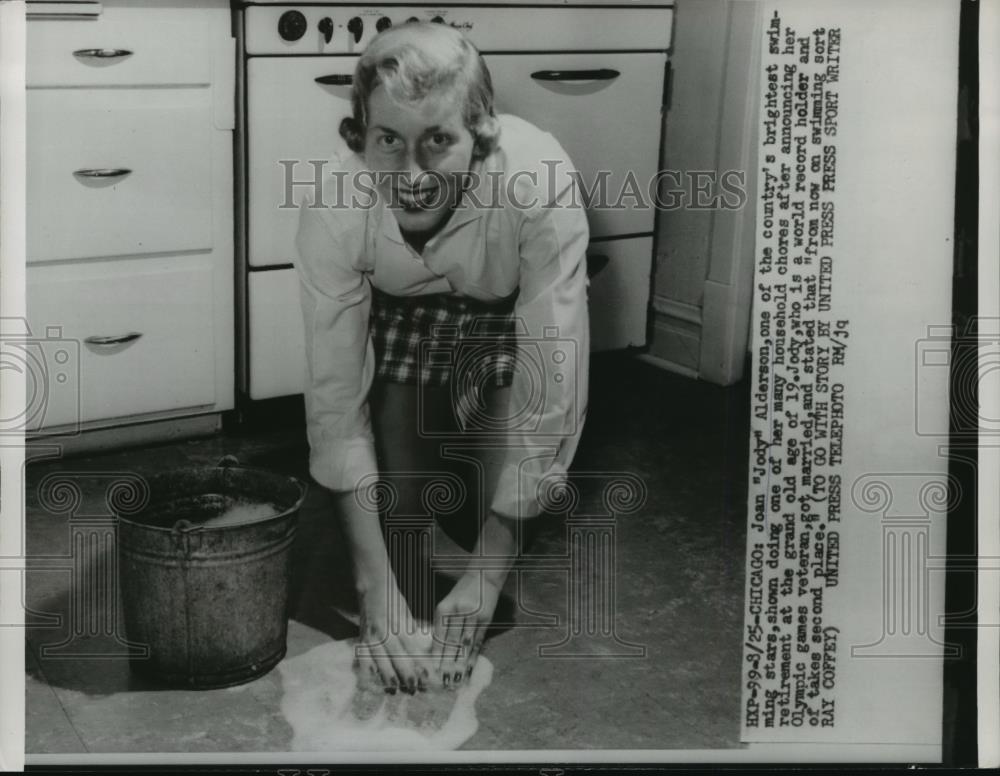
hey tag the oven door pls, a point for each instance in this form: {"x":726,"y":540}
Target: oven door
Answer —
{"x":605,"y":110}
{"x":294,"y":109}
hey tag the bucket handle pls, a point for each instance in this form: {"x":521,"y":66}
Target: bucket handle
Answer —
{"x":185,"y":534}
{"x":226,"y":463}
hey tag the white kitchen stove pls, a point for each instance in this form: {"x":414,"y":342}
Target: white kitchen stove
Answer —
{"x":591,"y":73}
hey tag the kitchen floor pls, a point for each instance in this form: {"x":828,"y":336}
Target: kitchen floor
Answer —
{"x":666,"y":675}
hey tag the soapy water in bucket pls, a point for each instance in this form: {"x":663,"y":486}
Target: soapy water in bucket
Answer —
{"x":209,"y":510}
{"x":242,"y":512}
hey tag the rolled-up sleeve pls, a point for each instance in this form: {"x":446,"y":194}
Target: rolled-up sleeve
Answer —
{"x":336,"y":300}
{"x":548,"y":395}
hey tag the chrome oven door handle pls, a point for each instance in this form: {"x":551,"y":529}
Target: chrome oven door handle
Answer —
{"x":102,"y":172}
{"x":599,"y":74}
{"x":102,"y":53}
{"x":115,"y":339}
{"x":335,"y":80}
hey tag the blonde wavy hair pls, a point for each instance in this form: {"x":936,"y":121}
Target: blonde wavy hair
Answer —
{"x":418,"y":59}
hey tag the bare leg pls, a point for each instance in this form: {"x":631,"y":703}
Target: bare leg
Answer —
{"x":464,"y":616}
{"x":483,"y":474}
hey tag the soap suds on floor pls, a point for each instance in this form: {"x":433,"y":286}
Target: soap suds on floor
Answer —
{"x":328,"y":710}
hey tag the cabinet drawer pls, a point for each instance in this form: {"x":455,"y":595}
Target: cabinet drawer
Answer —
{"x":164,"y":46}
{"x":161,"y":202}
{"x":91,"y":312}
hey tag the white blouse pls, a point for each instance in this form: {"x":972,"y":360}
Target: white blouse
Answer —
{"x":522,"y":227}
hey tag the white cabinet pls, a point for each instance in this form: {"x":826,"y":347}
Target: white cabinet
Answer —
{"x":117,"y":172}
{"x":128,"y":44}
{"x":130,"y":290}
{"x":138,"y":336}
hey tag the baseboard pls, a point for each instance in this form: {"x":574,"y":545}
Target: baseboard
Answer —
{"x":671,"y":308}
{"x":123,"y":436}
{"x":669,"y":366}
{"x":675,"y":343}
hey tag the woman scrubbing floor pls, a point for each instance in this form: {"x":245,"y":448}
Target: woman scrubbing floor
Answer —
{"x":454,"y":226}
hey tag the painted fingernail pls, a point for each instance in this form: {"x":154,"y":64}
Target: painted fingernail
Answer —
{"x":391,"y":690}
{"x":458,"y":677}
{"x":447,"y":679}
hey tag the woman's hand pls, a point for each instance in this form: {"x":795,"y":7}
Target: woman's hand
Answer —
{"x":462,"y":617}
{"x":460,"y":624}
{"x":392,"y":646}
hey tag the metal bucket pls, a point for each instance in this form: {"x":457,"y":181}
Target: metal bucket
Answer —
{"x":210,"y":602}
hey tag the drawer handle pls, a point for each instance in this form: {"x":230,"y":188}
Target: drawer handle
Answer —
{"x":103,"y":172}
{"x":117,"y":339}
{"x":600,"y":74}
{"x":102,"y":53}
{"x":596,"y":263}
{"x":335,"y":80}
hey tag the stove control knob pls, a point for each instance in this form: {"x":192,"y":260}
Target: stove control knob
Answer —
{"x":438,"y":20}
{"x":412,"y":19}
{"x":383,"y":23}
{"x":292,"y":25}
{"x":326,"y":27}
{"x":356,"y":27}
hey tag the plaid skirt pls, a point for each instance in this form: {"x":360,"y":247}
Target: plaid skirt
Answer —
{"x":442,"y":340}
